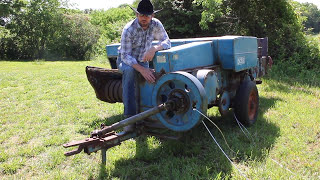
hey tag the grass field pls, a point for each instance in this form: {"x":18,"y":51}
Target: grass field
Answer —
{"x":46,"y":104}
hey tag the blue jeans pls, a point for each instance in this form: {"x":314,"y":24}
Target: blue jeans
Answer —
{"x":129,"y":75}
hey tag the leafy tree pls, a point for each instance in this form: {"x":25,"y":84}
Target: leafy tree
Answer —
{"x":31,"y":28}
{"x":75,"y":38}
{"x":180,"y":18}
{"x":112,"y":21}
{"x":310,"y":15}
{"x":275,"y":19}
{"x":8,"y":8}
{"x":110,"y":24}
{"x":43,"y":29}
{"x":195,"y":18}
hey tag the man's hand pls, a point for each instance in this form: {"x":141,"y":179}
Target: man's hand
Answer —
{"x":148,"y":56}
{"x":148,"y":75}
{"x":145,"y":72}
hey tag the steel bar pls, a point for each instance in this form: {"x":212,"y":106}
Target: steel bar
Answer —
{"x":104,"y":156}
{"x":129,"y":120}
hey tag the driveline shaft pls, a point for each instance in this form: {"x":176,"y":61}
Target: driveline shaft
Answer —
{"x":131,"y":120}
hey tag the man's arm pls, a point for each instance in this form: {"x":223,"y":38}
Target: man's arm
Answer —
{"x":126,"y":48}
{"x":148,"y":56}
{"x":164,"y":42}
{"x":126,"y":51}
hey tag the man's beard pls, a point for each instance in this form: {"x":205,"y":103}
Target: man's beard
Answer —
{"x":144,"y":25}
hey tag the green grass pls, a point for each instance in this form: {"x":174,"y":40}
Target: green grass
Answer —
{"x":46,"y":104}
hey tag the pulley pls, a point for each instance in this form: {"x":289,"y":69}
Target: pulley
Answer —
{"x":187,"y":93}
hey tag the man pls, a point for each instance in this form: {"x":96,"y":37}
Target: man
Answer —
{"x":136,"y":51}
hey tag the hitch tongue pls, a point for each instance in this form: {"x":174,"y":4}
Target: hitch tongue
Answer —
{"x":106,"y":138}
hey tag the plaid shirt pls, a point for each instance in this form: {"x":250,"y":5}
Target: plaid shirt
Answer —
{"x":135,"y":41}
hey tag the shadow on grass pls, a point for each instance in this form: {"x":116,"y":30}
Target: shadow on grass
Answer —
{"x":261,"y":138}
{"x":196,"y":156}
{"x":289,"y":86}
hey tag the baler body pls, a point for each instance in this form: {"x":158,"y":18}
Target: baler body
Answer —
{"x":191,"y":77}
{"x":220,"y":64}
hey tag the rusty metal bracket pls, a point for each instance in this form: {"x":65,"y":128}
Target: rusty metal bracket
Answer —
{"x":90,"y":145}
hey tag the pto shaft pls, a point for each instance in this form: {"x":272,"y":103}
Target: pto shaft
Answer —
{"x":130,"y":120}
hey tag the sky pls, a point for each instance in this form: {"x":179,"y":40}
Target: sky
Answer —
{"x":106,"y":4}
{"x":316,"y":2}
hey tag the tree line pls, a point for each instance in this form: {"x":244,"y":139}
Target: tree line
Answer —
{"x":48,"y":29}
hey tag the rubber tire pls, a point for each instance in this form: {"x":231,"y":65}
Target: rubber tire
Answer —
{"x":247,"y":103}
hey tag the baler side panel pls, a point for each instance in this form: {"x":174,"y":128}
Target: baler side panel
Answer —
{"x":238,"y":53}
{"x":185,"y":56}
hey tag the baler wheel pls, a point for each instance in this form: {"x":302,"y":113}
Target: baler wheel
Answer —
{"x":247,"y":103}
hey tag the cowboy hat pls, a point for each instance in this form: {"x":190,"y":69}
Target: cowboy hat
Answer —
{"x":145,"y":7}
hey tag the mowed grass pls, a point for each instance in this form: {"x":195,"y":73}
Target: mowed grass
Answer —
{"x":46,"y":104}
